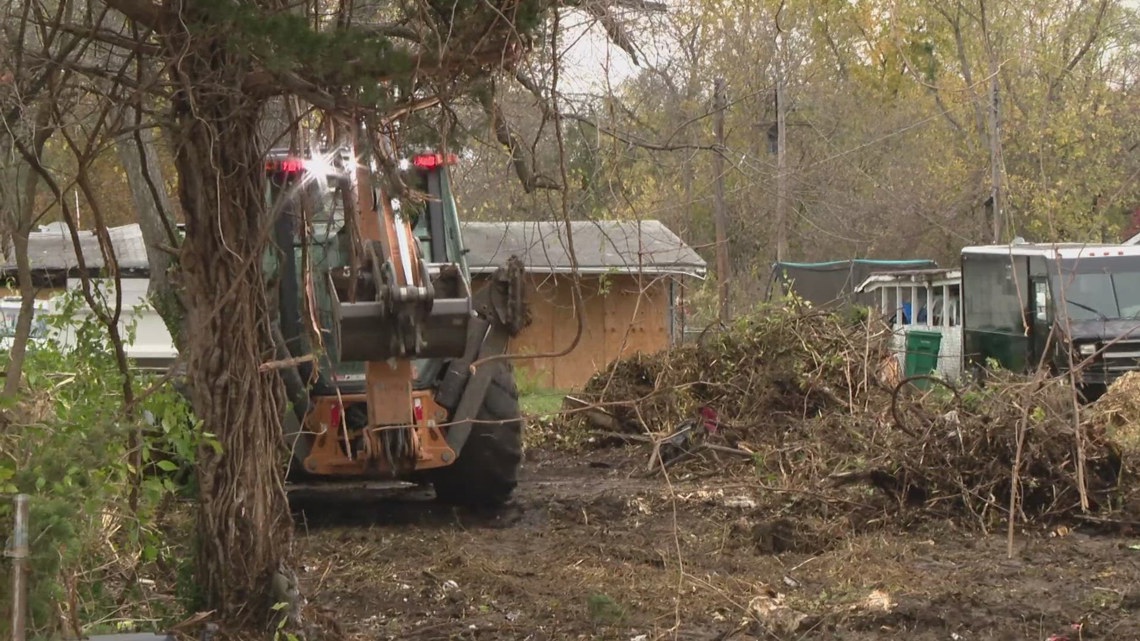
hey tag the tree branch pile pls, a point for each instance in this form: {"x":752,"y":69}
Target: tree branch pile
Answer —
{"x":803,"y":396}
{"x":776,"y":368}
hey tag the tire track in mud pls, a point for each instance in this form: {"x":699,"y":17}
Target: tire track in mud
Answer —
{"x":541,"y":484}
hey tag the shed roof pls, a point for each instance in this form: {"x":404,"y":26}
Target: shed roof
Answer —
{"x":51,"y":249}
{"x":1135,"y":240}
{"x":604,"y":246}
{"x":627,"y":246}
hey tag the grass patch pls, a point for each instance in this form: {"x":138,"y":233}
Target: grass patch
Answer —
{"x":542,"y":408}
{"x":541,"y":403}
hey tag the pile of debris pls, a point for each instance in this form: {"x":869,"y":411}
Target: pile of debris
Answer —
{"x":803,"y":396}
{"x":970,"y":449}
{"x":791,"y":364}
{"x":1118,"y":413}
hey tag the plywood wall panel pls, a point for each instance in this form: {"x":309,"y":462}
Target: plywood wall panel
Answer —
{"x":622,"y":315}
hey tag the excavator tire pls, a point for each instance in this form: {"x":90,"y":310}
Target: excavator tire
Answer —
{"x":486,"y":471}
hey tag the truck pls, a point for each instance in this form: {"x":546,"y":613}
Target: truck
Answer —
{"x":1066,"y":307}
{"x":396,"y":368}
{"x":1056,"y":306}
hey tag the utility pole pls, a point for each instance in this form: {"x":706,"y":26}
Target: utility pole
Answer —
{"x":994,"y":112}
{"x":720,"y":214}
{"x":781,"y":157}
{"x":996,"y":191}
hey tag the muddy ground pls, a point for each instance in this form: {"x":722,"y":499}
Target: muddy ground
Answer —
{"x":589,"y":549}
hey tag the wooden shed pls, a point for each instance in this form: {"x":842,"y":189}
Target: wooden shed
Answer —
{"x":632,"y":276}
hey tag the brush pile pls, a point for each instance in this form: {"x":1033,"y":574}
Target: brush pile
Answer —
{"x":1118,"y":413}
{"x":806,"y":393}
{"x":963,"y":450}
{"x":775,"y":367}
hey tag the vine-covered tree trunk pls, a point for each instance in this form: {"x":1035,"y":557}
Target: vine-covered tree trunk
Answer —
{"x":243,"y":523}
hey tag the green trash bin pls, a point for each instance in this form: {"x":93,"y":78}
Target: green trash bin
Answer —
{"x":922,"y":355}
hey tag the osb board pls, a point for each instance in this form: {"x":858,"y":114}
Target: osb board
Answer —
{"x":588,"y":355}
{"x":621,"y":316}
{"x":43,"y":293}
{"x":538,"y":337}
{"x":636,"y":316}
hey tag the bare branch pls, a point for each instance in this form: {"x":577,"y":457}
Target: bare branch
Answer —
{"x":1094,"y":33}
{"x":521,"y":157}
{"x":143,"y":12}
{"x":638,"y":5}
{"x":402,"y":31}
{"x":110,"y":37}
{"x":629,"y":139}
{"x":614,"y":28}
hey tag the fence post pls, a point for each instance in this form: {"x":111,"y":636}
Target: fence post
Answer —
{"x":18,"y":552}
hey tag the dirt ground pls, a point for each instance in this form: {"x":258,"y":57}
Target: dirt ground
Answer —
{"x":590,"y":549}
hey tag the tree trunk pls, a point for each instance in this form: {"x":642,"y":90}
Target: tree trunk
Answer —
{"x":243,"y":521}
{"x":138,"y":154}
{"x":993,"y":112}
{"x":20,"y":203}
{"x":18,"y":351}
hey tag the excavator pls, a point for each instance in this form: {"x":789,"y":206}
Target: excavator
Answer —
{"x":396,"y":369}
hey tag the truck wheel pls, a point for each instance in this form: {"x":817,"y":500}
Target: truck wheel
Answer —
{"x":486,"y":471}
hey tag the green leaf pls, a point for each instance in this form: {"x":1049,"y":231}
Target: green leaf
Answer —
{"x":213,"y":443}
{"x":166,"y":466}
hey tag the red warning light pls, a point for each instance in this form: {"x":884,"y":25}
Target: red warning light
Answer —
{"x":285,"y":166}
{"x":434,"y":161}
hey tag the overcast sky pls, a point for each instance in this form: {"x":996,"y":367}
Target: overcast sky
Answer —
{"x":592,"y":60}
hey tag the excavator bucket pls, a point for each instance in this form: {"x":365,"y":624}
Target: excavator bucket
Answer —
{"x":422,"y":322}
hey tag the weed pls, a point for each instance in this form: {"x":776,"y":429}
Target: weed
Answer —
{"x":604,"y":610}
{"x":95,"y":520}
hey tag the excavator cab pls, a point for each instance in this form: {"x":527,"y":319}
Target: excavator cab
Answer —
{"x":378,"y":314}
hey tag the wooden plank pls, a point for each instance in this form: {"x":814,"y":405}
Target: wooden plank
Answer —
{"x":575,"y":368}
{"x":538,"y":337}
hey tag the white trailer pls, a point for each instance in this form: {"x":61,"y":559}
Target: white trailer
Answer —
{"x":151,"y":347}
{"x":918,"y":304}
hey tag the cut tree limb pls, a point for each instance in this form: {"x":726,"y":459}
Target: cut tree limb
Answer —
{"x":285,"y":363}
